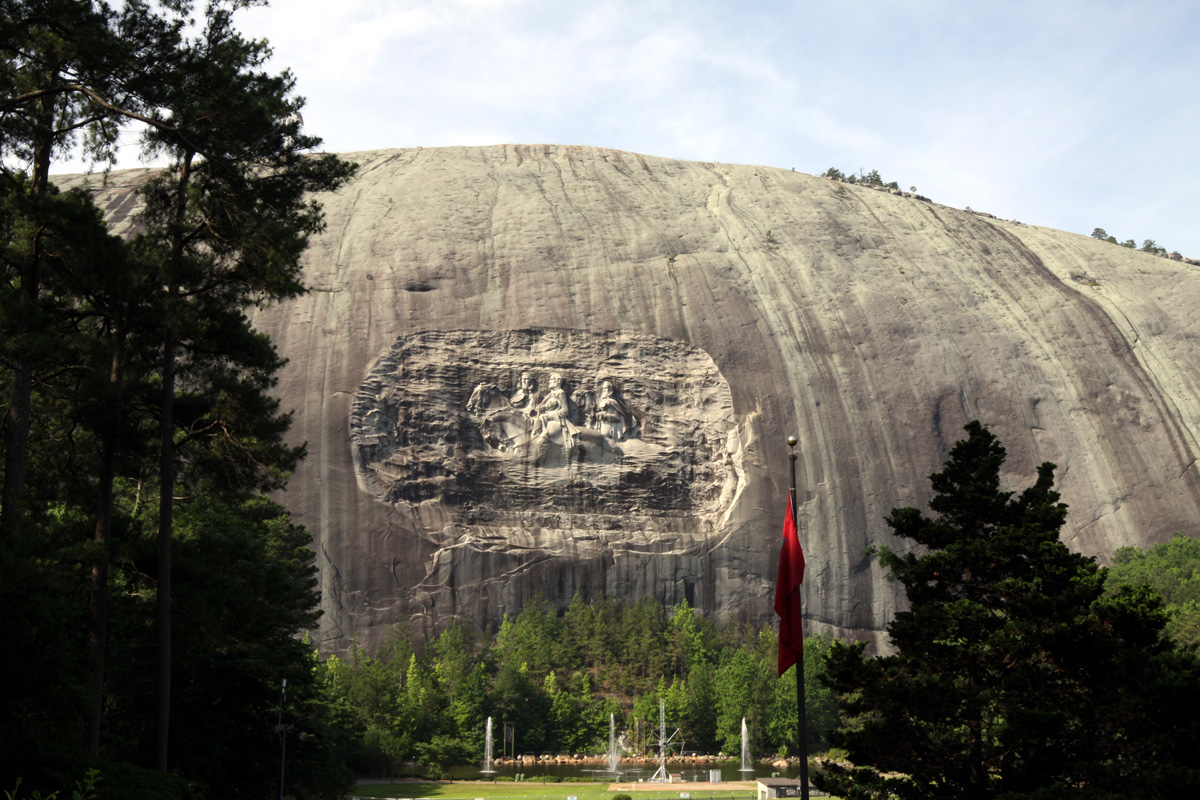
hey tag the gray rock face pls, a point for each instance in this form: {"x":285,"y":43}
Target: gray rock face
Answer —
{"x":727,"y":307}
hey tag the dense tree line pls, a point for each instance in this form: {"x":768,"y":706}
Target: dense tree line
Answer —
{"x":152,"y":592}
{"x":558,"y":676}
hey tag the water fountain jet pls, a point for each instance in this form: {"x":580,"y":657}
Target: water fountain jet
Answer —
{"x":614,"y":753}
{"x":746,"y":765}
{"x":487,"y":748}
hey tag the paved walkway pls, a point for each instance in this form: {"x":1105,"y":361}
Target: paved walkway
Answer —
{"x":685,"y":786}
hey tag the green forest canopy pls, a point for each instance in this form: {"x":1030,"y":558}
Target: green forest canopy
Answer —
{"x":558,"y":677}
{"x":1172,"y":570}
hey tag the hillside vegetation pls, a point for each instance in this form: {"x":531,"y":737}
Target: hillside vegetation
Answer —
{"x":557,"y":678}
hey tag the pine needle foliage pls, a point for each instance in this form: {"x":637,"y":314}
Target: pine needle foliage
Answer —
{"x":1014,"y":675}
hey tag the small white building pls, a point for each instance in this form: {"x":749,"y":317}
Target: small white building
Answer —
{"x":769,"y":788}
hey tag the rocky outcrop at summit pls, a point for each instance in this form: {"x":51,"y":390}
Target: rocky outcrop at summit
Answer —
{"x":471,"y":308}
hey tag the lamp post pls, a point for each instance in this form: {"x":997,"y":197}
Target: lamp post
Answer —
{"x":282,"y":730}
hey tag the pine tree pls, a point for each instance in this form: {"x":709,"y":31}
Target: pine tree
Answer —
{"x":1014,"y":675}
{"x":226,"y":224}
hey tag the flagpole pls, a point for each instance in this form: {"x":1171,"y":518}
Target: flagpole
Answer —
{"x":801,"y":716}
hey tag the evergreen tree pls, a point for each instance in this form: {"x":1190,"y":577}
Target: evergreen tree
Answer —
{"x":245,"y":584}
{"x":455,"y":650}
{"x":469,"y":708}
{"x":604,"y":652}
{"x":226,"y":223}
{"x":73,"y":345}
{"x":530,"y":641}
{"x":38,"y":117}
{"x":517,"y":699}
{"x":563,"y":715}
{"x":420,"y":704}
{"x":689,"y":638}
{"x":70,"y":68}
{"x":367,"y":742}
{"x":1014,"y":675}
{"x":579,"y":623}
{"x":742,"y":685}
{"x":700,"y":709}
{"x":643,"y":641}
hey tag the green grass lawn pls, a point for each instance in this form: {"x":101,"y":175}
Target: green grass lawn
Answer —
{"x":458,"y":790}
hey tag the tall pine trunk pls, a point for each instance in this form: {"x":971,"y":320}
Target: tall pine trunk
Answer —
{"x":16,"y":446}
{"x":98,"y":619}
{"x":166,"y":496}
{"x":166,"y":504}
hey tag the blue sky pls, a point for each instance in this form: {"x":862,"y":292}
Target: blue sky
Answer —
{"x":1067,"y":114}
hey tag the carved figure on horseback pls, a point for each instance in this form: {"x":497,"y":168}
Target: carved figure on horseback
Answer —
{"x":554,"y":428}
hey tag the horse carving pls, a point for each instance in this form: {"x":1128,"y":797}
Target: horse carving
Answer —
{"x":502,"y":426}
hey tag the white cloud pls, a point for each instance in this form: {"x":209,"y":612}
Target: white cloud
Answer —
{"x":1054,"y":111}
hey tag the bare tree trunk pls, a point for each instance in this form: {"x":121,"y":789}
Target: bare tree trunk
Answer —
{"x":98,"y":621}
{"x":166,"y":496}
{"x":165,"y":520}
{"x":16,"y":449}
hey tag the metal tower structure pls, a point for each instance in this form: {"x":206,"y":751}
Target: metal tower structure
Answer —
{"x":664,"y":746}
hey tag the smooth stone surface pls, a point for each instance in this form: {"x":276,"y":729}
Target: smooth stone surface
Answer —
{"x":872,"y":325}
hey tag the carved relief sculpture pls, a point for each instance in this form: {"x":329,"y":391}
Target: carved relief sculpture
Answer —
{"x":524,"y":425}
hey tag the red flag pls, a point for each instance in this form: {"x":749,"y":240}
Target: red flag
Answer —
{"x":787,"y":594}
